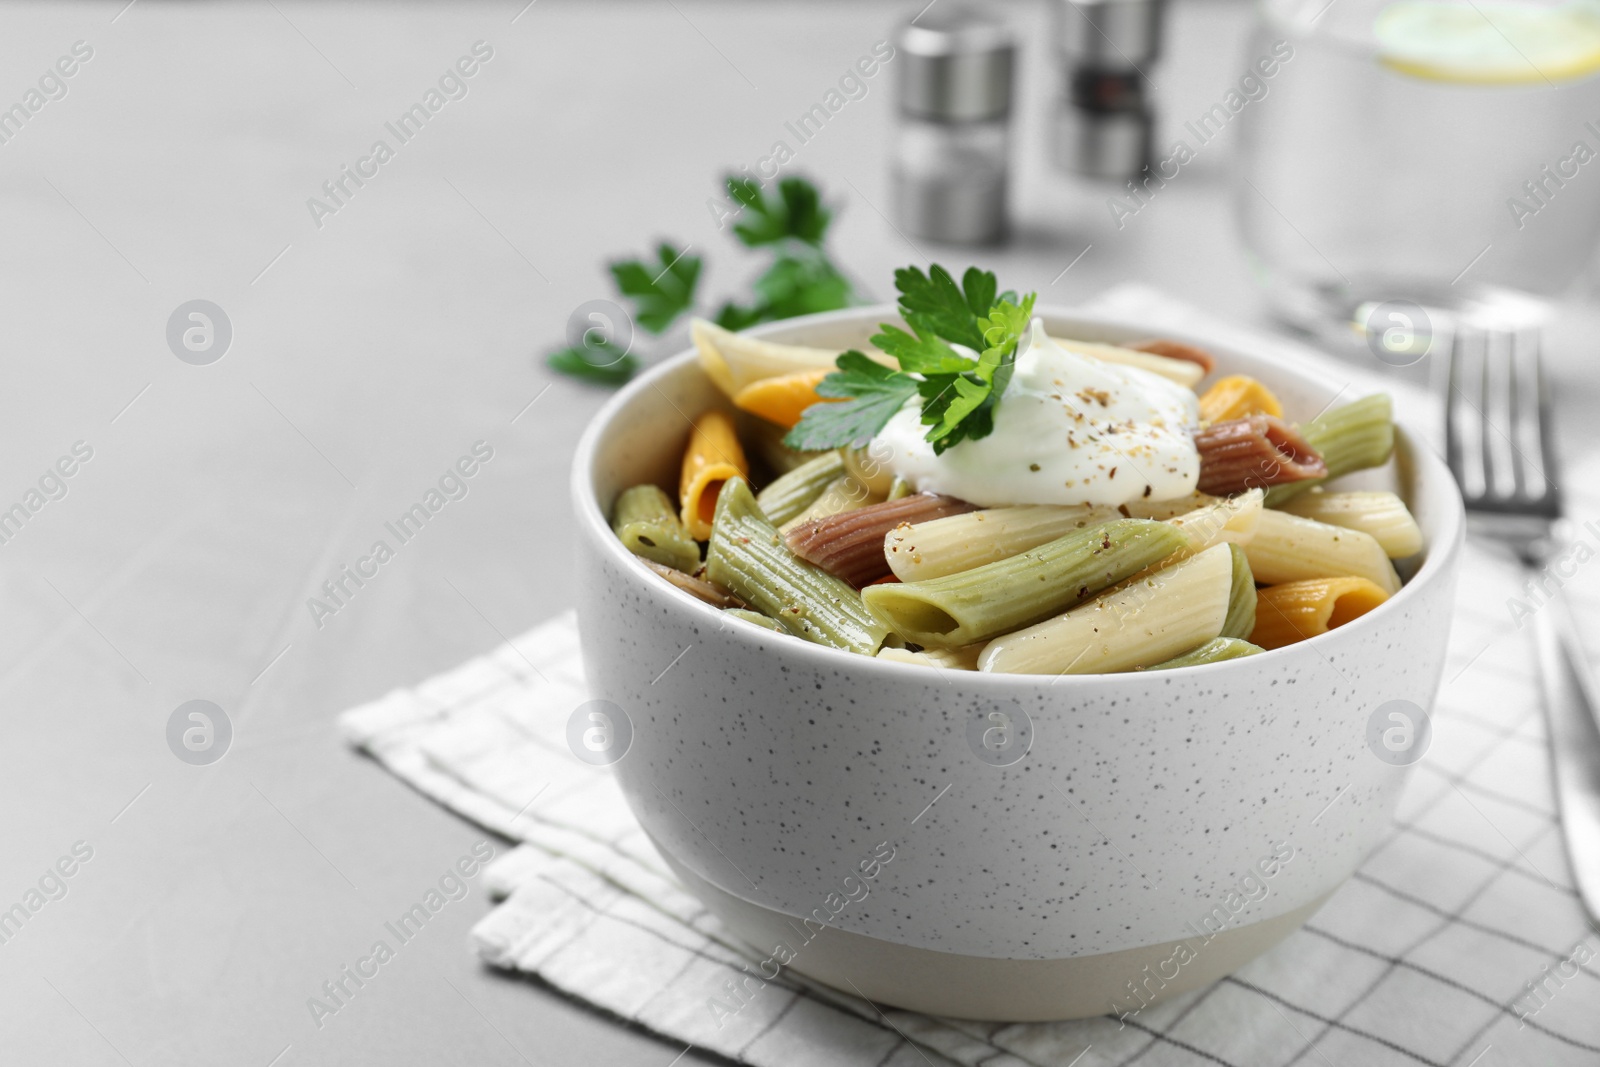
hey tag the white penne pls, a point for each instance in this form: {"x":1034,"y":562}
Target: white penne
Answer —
{"x":870,"y":466}
{"x":952,"y":659}
{"x":1182,"y":371}
{"x":1288,"y":548}
{"x":1227,"y":520}
{"x":1148,"y":621}
{"x":1381,"y":514}
{"x":733,"y":361}
{"x":1223,"y":520}
{"x":1168,"y":509}
{"x":957,"y":543}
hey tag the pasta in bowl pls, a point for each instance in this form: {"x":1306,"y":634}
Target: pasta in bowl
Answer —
{"x":817,"y":653}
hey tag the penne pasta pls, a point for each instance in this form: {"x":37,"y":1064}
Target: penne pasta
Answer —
{"x":1236,"y":397}
{"x":1241,"y":617}
{"x":1381,"y":514}
{"x":747,"y":556}
{"x":953,"y":659}
{"x":1053,"y":576}
{"x":959,"y":543}
{"x":1161,"y":346}
{"x":980,"y":603}
{"x":755,"y":618}
{"x":765,"y":440}
{"x":1353,"y":437}
{"x":1167,"y":509}
{"x":842,"y":494}
{"x":1185,"y":372}
{"x":1162,"y":615}
{"x":1296,"y":611}
{"x":870,"y":468}
{"x":1213,"y":651}
{"x":781,"y":400}
{"x":789,"y":495}
{"x":1256,"y":451}
{"x":1231,"y":520}
{"x":713,"y":456}
{"x":733,"y":361}
{"x":696,"y":586}
{"x":1287,"y":548}
{"x":850,"y":545}
{"x":646,"y":522}
{"x":1223,"y":521}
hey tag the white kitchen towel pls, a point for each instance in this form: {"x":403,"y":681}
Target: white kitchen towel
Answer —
{"x":1459,"y":942}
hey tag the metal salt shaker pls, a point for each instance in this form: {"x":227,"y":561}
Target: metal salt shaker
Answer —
{"x":1104,"y":115}
{"x":950,"y":165}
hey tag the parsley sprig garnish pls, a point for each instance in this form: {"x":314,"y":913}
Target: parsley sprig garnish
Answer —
{"x":958,"y":393}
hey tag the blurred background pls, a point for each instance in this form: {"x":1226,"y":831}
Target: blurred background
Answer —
{"x":348,"y":354}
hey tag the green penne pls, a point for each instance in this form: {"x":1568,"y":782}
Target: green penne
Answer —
{"x":1351,"y":437}
{"x":747,"y":555}
{"x":898,"y":488}
{"x":1214,"y":651}
{"x":842,"y":494}
{"x":765,"y":439}
{"x":1152,"y":617}
{"x":790,"y":494}
{"x":1242,"y":598}
{"x":984,"y":602}
{"x":757,"y":618}
{"x":646,"y":522}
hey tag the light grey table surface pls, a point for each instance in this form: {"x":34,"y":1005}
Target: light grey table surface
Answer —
{"x":367,"y":355}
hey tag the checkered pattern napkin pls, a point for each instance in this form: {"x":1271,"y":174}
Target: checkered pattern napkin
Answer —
{"x":1459,"y":942}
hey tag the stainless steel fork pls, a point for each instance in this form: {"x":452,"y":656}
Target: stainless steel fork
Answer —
{"x":1497,"y":420}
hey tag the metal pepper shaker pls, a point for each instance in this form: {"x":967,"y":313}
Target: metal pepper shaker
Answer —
{"x":1104,"y":115}
{"x":950,"y":166}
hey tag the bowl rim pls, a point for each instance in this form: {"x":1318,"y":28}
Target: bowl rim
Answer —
{"x":1429,"y":469}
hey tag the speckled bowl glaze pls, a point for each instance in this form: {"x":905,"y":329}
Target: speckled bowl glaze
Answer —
{"x":1162,"y":829}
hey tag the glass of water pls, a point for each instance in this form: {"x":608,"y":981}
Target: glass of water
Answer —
{"x":1421,"y":154}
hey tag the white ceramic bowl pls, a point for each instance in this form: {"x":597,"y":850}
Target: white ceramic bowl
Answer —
{"x":1162,"y":829}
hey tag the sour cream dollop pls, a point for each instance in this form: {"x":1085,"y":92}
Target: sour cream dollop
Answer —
{"x":1070,"y":429}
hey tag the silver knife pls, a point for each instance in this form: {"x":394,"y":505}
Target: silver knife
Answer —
{"x":1574,"y":726}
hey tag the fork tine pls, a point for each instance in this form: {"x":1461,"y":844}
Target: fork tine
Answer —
{"x":1494,"y":480}
{"x":1498,"y":473}
{"x":1455,"y":454}
{"x":1538,"y":427}
{"x":1517,"y":419}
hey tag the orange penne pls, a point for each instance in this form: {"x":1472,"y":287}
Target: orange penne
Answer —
{"x":713,"y":456}
{"x":782,"y":399}
{"x":1237,"y":396}
{"x":1295,"y":611}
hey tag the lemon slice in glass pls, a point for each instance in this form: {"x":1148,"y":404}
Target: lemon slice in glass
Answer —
{"x":1482,"y":42}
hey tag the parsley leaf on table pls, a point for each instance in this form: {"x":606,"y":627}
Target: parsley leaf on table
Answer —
{"x":790,"y":222}
{"x":601,"y":362}
{"x":661,"y":291}
{"x":798,"y":284}
{"x":796,"y":212}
